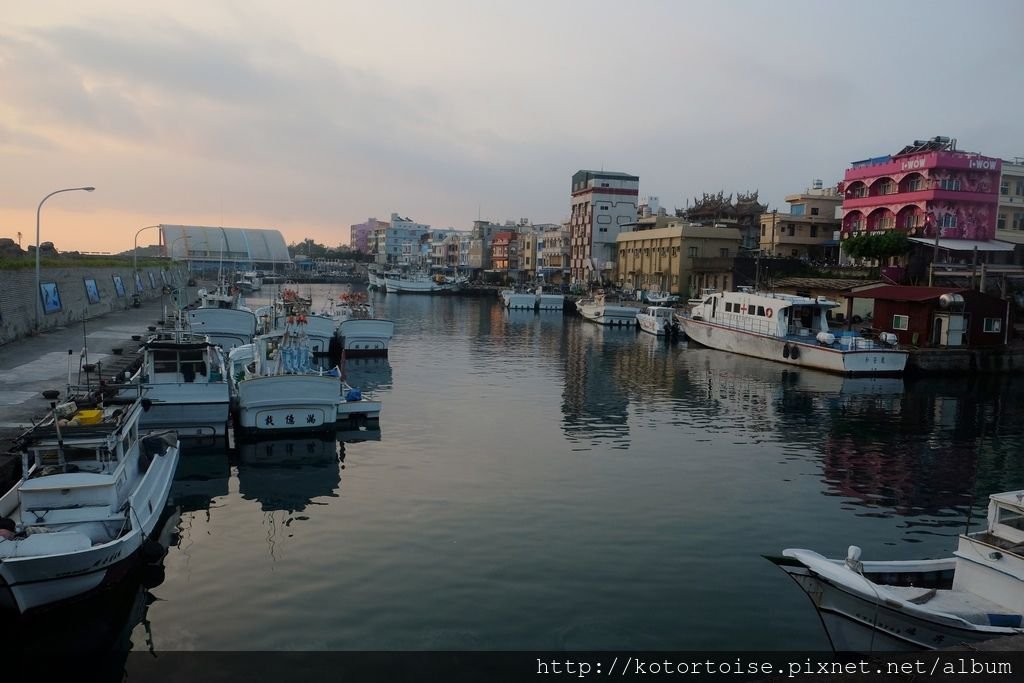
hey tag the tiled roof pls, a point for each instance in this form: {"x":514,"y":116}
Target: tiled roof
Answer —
{"x":838,"y":284}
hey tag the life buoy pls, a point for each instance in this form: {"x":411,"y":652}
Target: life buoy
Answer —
{"x":769,"y":312}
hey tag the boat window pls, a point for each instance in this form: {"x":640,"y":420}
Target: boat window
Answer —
{"x":760,"y":310}
{"x":751,"y":310}
{"x":165,"y":361}
{"x":1011,"y":518}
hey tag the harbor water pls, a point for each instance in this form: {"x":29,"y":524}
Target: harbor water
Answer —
{"x":539,"y":482}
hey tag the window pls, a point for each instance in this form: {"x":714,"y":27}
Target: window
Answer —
{"x":796,"y":210}
{"x":949,"y":184}
{"x":724,"y":252}
{"x":900,"y":322}
{"x":760,"y":311}
{"x":948,"y":220}
{"x":1020,"y":187}
{"x":762,"y":229}
{"x":691,"y":251}
{"x":814,"y":231}
{"x":914,"y":184}
{"x":814,"y":211}
{"x":885,"y":187}
{"x":604,"y":208}
{"x":1004,"y":187}
{"x":792,"y":229}
{"x":993,"y":325}
{"x":1001,"y":223}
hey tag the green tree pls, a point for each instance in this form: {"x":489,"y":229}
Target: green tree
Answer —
{"x":876,"y":246}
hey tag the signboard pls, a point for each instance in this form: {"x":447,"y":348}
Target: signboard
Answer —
{"x":290,"y":418}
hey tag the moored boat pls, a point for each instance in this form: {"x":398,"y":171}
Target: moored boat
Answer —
{"x":184,"y":377}
{"x":596,"y":309}
{"x":93,"y":488}
{"x":788,"y":329}
{"x":975,"y":595}
{"x":657,"y":320}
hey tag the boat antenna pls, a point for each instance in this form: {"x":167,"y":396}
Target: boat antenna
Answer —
{"x":972,"y":494}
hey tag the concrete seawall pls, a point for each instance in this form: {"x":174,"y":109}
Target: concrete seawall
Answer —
{"x":1006,"y":359}
{"x":18,"y":295}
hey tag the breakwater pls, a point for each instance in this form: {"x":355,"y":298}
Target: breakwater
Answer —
{"x":72,"y":294}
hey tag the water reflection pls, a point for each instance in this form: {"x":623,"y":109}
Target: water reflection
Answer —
{"x":110,"y":622}
{"x":368,"y":374}
{"x":595,"y":407}
{"x":289,"y":474}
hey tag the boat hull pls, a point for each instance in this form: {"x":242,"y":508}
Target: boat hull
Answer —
{"x":613,"y":316}
{"x":366,"y":336}
{"x":202,"y":413}
{"x":414,"y":286}
{"x":861,"y":623}
{"x":551,"y":302}
{"x":37,"y":581}
{"x":517,"y":301}
{"x":288,"y":403}
{"x":873,"y":361}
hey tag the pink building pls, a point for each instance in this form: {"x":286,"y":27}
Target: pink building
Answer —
{"x":361,"y":235}
{"x":925,"y":186}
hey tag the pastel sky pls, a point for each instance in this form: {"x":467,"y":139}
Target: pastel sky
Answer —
{"x":310,"y":116}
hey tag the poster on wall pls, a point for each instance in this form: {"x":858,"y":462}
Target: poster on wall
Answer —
{"x":138,"y":282}
{"x":163,"y":276}
{"x":152,"y":280}
{"x":119,"y":285}
{"x":92,"y":292}
{"x":51,"y":297}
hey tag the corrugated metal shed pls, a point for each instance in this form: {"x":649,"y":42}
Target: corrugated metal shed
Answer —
{"x":247,"y":245}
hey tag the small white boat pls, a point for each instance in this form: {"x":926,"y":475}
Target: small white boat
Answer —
{"x":595,"y":308}
{"x":788,"y":329}
{"x":975,"y":595}
{"x":184,"y":376}
{"x":657,"y":320}
{"x":93,"y":489}
{"x":366,"y":336}
{"x":226,"y":327}
{"x":414,"y":283}
{"x":280,"y":384}
{"x":249,"y":282}
{"x":659,"y":298}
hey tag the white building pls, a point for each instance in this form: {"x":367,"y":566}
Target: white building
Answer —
{"x":399,"y":242}
{"x":604,"y":204}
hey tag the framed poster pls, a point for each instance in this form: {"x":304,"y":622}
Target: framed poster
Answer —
{"x":51,"y":297}
{"x":92,"y":292}
{"x":152,"y":280}
{"x":119,"y":285}
{"x":138,"y":282}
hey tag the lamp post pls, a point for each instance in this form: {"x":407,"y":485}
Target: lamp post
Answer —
{"x":39,"y":301}
{"x":135,"y":250}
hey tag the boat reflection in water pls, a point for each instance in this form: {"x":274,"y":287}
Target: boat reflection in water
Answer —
{"x":106,"y":625}
{"x":369,"y":374}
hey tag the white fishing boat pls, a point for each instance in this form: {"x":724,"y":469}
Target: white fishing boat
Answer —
{"x":659,"y":298}
{"x":366,"y":336}
{"x":281,"y":383}
{"x":789,"y":329}
{"x":657,"y":320}
{"x":226,"y":327}
{"x":595,"y":308}
{"x":416,"y":283}
{"x":975,"y":595}
{"x":93,"y":488}
{"x":249,"y":282}
{"x":184,"y":376}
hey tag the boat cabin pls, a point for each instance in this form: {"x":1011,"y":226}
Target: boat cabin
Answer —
{"x":990,"y":563}
{"x":181,"y":358}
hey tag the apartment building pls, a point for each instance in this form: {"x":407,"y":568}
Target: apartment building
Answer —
{"x":807,"y":229}
{"x":603,"y":206}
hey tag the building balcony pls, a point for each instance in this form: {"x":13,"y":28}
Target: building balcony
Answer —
{"x":928,"y":195}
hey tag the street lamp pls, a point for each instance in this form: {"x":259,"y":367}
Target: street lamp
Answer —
{"x":39,"y":302}
{"x":135,"y":249}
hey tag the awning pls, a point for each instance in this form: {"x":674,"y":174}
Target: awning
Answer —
{"x":965,"y":245}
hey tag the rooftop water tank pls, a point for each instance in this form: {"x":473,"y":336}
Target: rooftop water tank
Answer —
{"x":952,"y":302}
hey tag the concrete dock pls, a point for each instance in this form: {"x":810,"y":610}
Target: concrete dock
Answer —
{"x":31,"y":365}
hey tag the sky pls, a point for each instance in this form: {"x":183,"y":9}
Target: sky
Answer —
{"x":310,"y":116}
